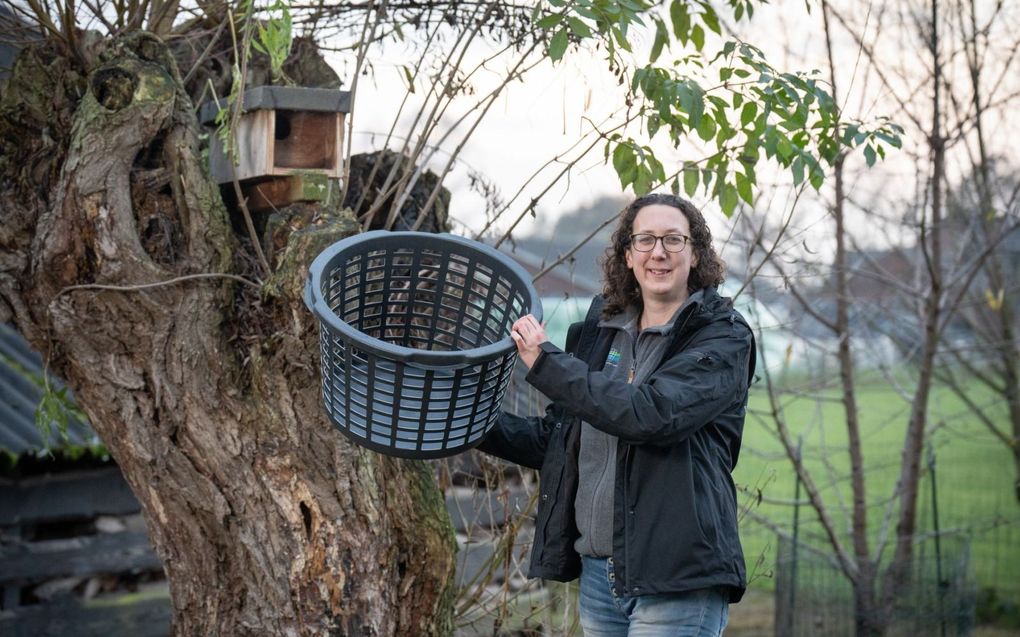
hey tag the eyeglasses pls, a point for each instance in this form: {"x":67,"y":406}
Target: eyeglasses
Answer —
{"x":670,"y":242}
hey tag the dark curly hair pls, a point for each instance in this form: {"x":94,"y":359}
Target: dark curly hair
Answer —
{"x":621,"y":288}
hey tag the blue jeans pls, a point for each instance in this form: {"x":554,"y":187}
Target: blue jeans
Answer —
{"x":700,"y":613}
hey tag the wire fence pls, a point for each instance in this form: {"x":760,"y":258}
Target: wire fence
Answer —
{"x":965,"y":567}
{"x":814,"y":598}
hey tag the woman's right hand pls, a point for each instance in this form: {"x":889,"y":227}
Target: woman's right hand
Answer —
{"x":528,"y":334}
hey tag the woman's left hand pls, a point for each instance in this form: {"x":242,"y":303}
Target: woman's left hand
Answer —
{"x":528,"y":334}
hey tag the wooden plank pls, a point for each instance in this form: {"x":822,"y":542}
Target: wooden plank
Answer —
{"x":254,"y":149}
{"x":130,"y":615}
{"x":82,"y":556}
{"x":277,"y":192}
{"x":66,"y":496}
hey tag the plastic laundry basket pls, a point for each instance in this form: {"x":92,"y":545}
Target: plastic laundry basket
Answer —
{"x":415,"y":336}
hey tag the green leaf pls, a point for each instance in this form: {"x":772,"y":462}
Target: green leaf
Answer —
{"x":691,"y":97}
{"x":892,"y":140}
{"x":661,"y":39}
{"x":828,"y":149}
{"x":681,"y":20}
{"x":558,"y":45}
{"x":620,"y":35}
{"x":674,"y":187}
{"x":642,"y":182}
{"x":728,"y":199}
{"x":869,"y":155}
{"x":698,"y":37}
{"x":550,"y":21}
{"x":747,"y":113}
{"x":656,"y":168}
{"x":798,"y":170}
{"x":690,"y":181}
{"x":624,"y":160}
{"x":817,"y":176}
{"x":706,"y":128}
{"x":744,"y":188}
{"x":579,"y":27}
{"x":711,"y":20}
{"x":654,"y":122}
{"x":783,"y":147}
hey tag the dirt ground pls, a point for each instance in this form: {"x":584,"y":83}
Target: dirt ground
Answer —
{"x":753,"y":616}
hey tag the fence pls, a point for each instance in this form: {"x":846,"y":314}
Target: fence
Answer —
{"x":814,"y":598}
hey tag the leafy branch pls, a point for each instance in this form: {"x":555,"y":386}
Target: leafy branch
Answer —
{"x":753,"y":112}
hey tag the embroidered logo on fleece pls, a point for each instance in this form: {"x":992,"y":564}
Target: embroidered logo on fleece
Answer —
{"x":613,"y":358}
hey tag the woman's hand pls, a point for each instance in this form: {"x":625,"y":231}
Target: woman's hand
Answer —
{"x":528,"y":334}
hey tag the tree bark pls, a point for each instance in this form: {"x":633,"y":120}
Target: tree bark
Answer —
{"x":205,"y":391}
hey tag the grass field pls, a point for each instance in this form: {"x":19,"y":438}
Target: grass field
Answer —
{"x":974,"y":474}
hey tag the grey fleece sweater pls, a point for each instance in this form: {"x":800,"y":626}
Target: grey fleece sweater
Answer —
{"x":633,"y":357}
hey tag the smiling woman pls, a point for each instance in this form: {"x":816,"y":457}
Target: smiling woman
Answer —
{"x":638,"y":446}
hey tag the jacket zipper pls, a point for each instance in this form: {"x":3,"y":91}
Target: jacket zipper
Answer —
{"x":621,"y":568}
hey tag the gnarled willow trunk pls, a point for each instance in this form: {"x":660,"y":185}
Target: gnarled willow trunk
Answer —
{"x":204,"y":389}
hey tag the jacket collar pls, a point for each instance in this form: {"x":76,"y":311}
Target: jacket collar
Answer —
{"x":628,"y":319}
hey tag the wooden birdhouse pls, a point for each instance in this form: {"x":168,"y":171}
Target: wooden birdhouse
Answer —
{"x":283,"y":131}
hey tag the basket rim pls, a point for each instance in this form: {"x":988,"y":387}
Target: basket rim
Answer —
{"x":425,"y":358}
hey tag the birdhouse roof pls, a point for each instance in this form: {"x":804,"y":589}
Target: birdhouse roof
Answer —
{"x":285,"y":98}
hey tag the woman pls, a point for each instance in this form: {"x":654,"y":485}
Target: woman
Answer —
{"x":637,"y":447}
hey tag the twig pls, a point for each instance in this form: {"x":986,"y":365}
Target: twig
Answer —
{"x":389,"y":135}
{"x":372,"y":12}
{"x":409,"y":173}
{"x":255,"y":242}
{"x":489,"y":101}
{"x":235,"y":118}
{"x":157,"y":284}
{"x":205,"y":53}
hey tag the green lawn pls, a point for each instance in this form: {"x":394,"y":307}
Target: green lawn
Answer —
{"x":974,"y":473}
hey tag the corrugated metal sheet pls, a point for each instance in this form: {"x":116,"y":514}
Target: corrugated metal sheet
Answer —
{"x":21,"y":373}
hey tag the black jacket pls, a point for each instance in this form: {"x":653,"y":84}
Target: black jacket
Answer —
{"x":675,"y":506}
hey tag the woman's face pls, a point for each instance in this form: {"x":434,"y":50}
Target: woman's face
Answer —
{"x":662,"y":275}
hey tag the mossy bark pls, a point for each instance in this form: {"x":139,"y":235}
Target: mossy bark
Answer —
{"x":205,"y":390}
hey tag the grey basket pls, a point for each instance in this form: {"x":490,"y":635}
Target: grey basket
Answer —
{"x":415,"y":335}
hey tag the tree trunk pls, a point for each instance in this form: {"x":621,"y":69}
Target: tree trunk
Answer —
{"x":898,"y":574}
{"x":869,"y":620}
{"x":204,"y":389}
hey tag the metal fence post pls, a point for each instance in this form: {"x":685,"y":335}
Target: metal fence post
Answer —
{"x":940,"y":591}
{"x":791,"y":615}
